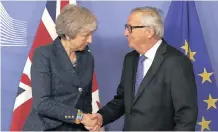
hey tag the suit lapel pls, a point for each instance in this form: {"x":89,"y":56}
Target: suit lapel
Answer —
{"x":132,"y":64}
{"x":63,"y":59}
{"x":81,"y":60}
{"x":65,"y":62}
{"x":159,"y":57}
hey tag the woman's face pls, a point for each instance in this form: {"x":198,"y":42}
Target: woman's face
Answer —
{"x":81,"y":40}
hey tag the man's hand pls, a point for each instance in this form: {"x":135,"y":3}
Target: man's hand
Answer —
{"x":92,"y":122}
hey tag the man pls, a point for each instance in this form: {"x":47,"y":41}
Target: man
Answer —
{"x":157,"y":90}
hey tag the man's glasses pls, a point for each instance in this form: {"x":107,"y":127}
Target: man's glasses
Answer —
{"x":129,"y":28}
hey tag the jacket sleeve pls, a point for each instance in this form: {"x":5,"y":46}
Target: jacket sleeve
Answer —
{"x":184,"y":95}
{"x":114,"y":109}
{"x":41,"y":90}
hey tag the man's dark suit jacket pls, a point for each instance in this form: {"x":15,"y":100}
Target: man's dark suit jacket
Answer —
{"x":166,"y":99}
{"x":59,"y":89}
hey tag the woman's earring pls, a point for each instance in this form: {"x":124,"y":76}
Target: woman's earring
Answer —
{"x":67,"y":38}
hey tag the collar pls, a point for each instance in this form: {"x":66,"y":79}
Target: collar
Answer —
{"x":150,"y":54}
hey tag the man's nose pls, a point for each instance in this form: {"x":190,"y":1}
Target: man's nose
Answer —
{"x":126,"y":32}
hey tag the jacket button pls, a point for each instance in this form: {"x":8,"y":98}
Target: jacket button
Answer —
{"x":80,"y":89}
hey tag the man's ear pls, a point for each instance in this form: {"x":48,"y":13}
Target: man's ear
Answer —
{"x":151,"y":32}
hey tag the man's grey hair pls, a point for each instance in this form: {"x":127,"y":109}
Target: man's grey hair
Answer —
{"x":74,"y":19}
{"x":152,"y":17}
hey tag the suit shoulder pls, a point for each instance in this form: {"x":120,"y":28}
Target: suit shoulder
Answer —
{"x":89,"y":54}
{"x":176,"y":56}
{"x":43,"y":50}
{"x":131,"y":54}
{"x":46,"y":47}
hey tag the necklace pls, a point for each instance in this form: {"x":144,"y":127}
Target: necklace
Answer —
{"x":73,"y":61}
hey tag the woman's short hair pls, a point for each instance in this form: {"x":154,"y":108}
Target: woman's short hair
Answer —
{"x":74,"y":19}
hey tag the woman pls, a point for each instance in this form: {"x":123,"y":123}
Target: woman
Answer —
{"x":61,"y":75}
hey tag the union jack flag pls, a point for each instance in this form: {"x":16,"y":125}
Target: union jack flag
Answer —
{"x":45,"y":34}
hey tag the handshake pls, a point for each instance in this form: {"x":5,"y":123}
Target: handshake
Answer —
{"x":92,"y":122}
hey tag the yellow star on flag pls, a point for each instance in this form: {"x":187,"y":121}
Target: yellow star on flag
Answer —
{"x":185,"y":47}
{"x":191,"y":55}
{"x":211,"y":102}
{"x":206,"y":76}
{"x":204,"y":124}
{"x":188,"y":51}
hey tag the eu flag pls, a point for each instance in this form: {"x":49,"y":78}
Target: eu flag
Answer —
{"x":183,"y":31}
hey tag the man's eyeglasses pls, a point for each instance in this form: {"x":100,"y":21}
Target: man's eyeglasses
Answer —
{"x":129,"y":28}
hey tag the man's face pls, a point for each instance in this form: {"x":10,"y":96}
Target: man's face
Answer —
{"x":135,"y":36}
